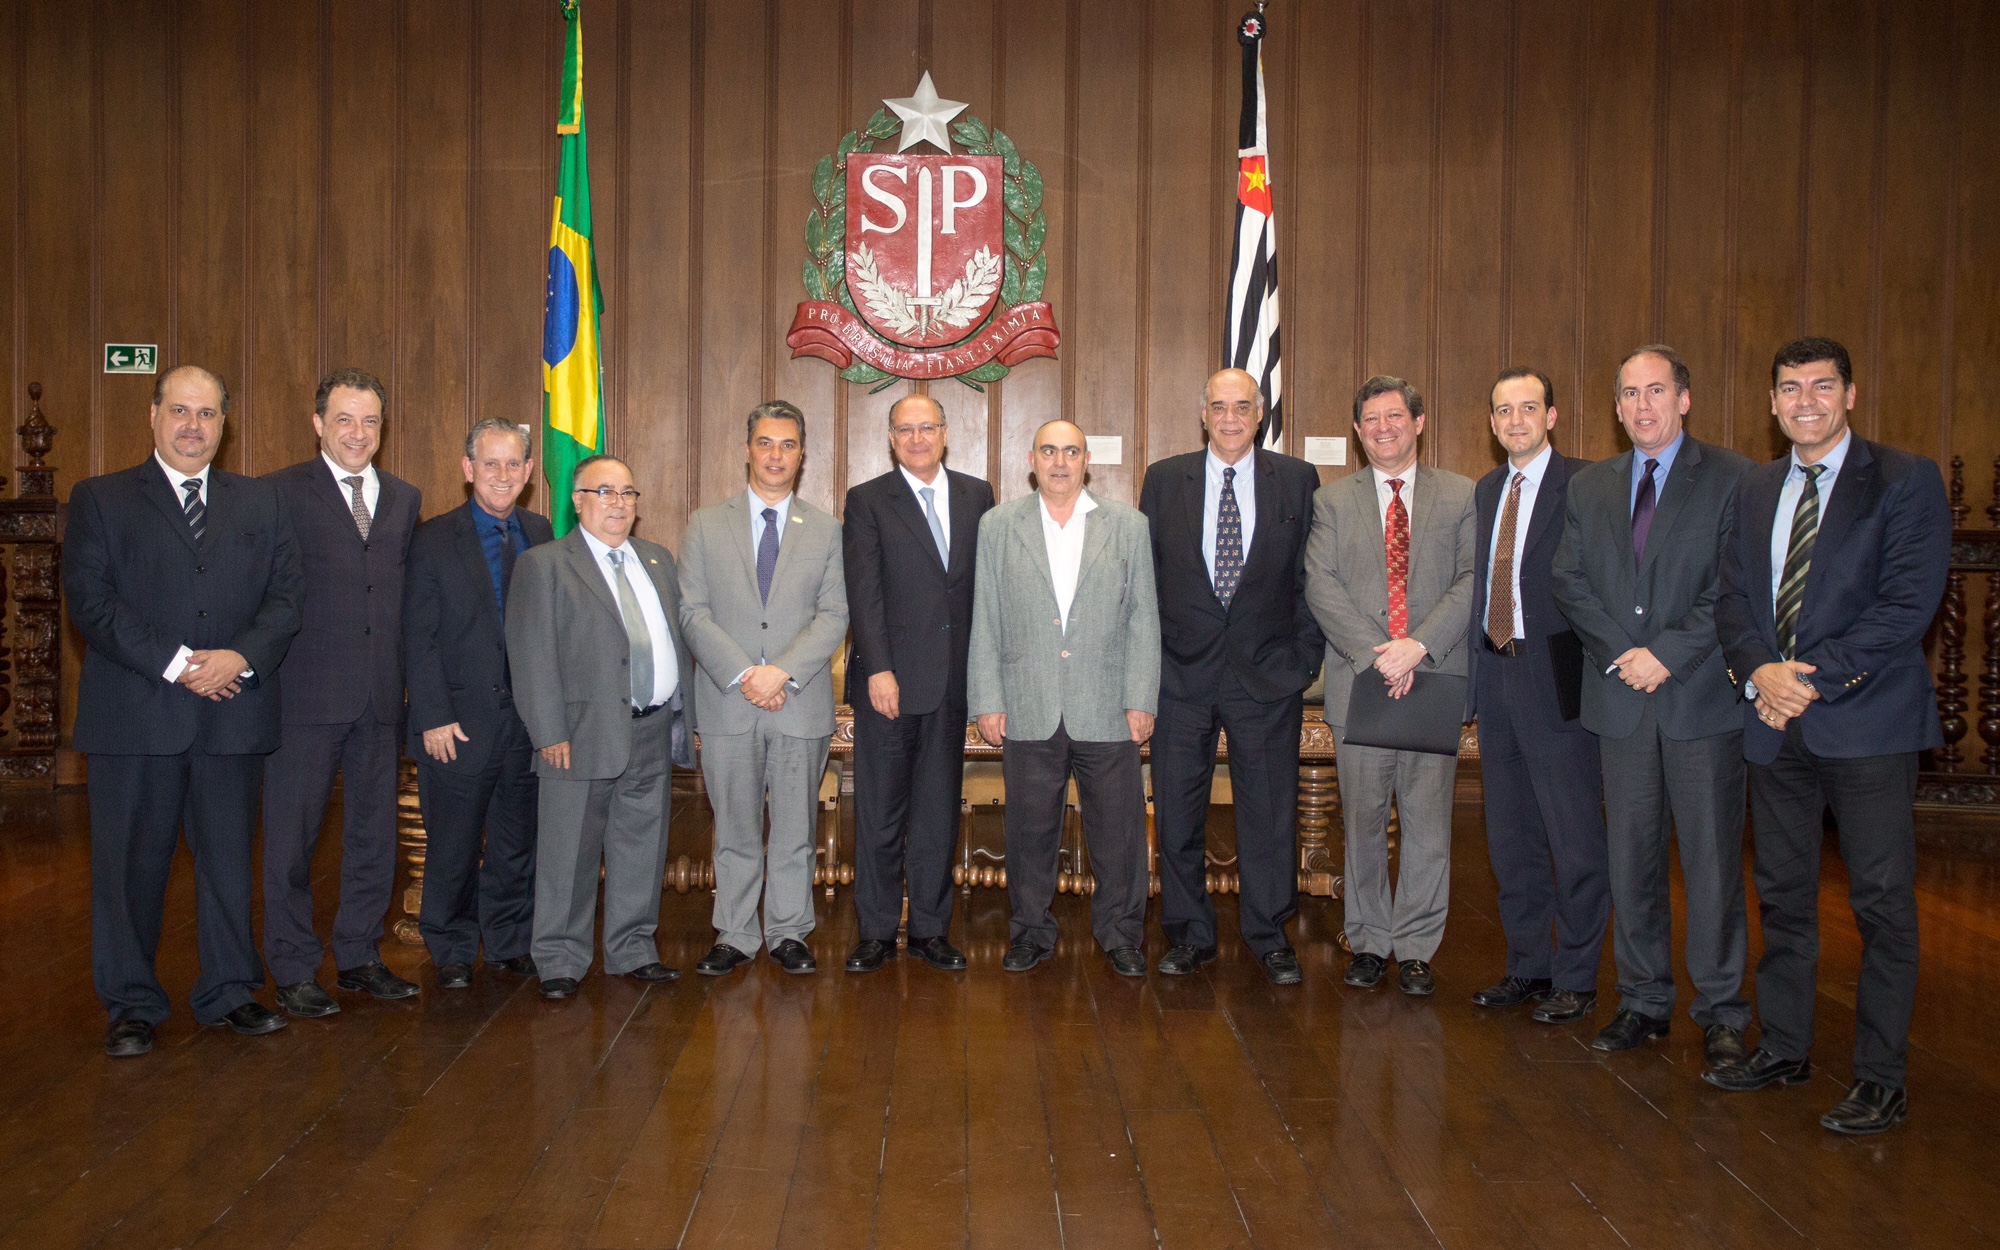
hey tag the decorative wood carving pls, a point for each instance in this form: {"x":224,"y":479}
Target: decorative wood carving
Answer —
{"x":1974,"y":553}
{"x":30,"y":610}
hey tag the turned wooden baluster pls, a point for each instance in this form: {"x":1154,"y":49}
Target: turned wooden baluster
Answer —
{"x":1989,"y":677}
{"x":1951,"y":685}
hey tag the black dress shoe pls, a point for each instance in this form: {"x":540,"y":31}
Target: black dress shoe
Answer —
{"x":1179,"y":961}
{"x":307,"y":1001}
{"x":1628,"y":1030}
{"x":253,"y":1019}
{"x":1565,"y":1006}
{"x":1760,"y":1069}
{"x":377,"y":980}
{"x":519,"y":965}
{"x":1513,"y":991}
{"x":1282,"y":966}
{"x":1414,"y":977}
{"x":721,"y":960}
{"x":655,"y":973}
{"x":455,"y":977}
{"x":792,"y":955}
{"x":869,"y":955}
{"x":128,"y":1039}
{"x":1024,"y":955}
{"x":1722,"y":1045}
{"x":1127,"y":961}
{"x":940,"y":954}
{"x":1868,"y":1108}
{"x":555,"y":989}
{"x":1364,"y":971}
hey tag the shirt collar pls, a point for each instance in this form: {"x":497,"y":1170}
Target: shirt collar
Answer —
{"x":757,"y":504}
{"x":919,"y":485}
{"x":1536,"y":468}
{"x":1666,"y":456}
{"x":341,"y":475}
{"x":1408,"y":477}
{"x":598,"y":546}
{"x":1084,"y":503}
{"x":1832,"y":460}
{"x":1215,"y":465}
{"x":486,"y":521}
{"x":175,"y":477}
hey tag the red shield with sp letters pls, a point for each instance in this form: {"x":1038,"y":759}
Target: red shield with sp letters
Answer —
{"x":925,"y":250}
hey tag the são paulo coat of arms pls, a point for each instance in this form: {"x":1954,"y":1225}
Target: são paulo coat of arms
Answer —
{"x":925,"y":266}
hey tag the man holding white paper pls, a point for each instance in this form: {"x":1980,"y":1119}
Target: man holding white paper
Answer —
{"x":1389,"y":573}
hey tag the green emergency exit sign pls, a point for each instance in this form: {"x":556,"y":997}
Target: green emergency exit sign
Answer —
{"x":131,"y":358}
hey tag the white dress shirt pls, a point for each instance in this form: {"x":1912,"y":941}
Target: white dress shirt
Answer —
{"x":371,"y":485}
{"x":666,"y":664}
{"x":1065,"y":547}
{"x":176,"y":479}
{"x":942,"y":487}
{"x":1211,"y":503}
{"x":1531,"y":484}
{"x":1383,"y":494}
{"x":1789,"y":495}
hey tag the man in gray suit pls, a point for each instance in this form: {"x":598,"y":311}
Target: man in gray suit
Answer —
{"x":1637,"y":574}
{"x":601,"y":679}
{"x":1065,"y":675}
{"x":1389,"y":578}
{"x":764,"y":606}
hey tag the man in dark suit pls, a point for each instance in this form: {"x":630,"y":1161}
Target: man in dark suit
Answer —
{"x":185,"y":583}
{"x":1238,"y":647}
{"x":1637,"y":575}
{"x":602,"y":678}
{"x":1829,"y":581}
{"x":1538,"y":764}
{"x":343,"y":702}
{"x":475,"y":766}
{"x":907,"y":545}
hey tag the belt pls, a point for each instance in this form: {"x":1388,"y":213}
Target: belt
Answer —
{"x":1515,"y":646}
{"x":641,"y":713}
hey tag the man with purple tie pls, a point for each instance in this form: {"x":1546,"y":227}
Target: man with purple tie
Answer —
{"x":1637,"y":575}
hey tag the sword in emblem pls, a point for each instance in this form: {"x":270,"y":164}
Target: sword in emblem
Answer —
{"x":923,"y":300}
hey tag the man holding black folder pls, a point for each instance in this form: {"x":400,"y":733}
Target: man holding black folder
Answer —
{"x":1544,"y":802}
{"x":1389,"y":573}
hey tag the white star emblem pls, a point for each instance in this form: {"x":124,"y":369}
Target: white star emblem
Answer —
{"x":924,"y":117}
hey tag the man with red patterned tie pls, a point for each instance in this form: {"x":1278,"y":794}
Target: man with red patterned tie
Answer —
{"x":1389,"y":572}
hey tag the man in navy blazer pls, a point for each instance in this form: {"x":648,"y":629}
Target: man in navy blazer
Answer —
{"x":1238,"y":647}
{"x":907,"y":545}
{"x":475,"y":766}
{"x":343,"y":701}
{"x":1833,"y":573}
{"x":1544,"y":799}
{"x":185,"y":583}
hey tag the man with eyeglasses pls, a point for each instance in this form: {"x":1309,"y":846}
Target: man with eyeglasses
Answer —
{"x":908,"y":543}
{"x":1238,"y":648}
{"x":1064,"y":676}
{"x":601,"y":677}
{"x":764,"y":604}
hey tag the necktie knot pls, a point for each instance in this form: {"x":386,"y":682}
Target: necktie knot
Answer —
{"x":770,"y":515}
{"x":1396,"y":487}
{"x":193,"y":488}
{"x":359,"y":504}
{"x":1518,"y":479}
{"x":354,"y":482}
{"x":1812,"y":472}
{"x":1228,"y":475}
{"x":1652,"y":466}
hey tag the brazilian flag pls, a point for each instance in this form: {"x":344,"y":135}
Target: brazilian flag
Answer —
{"x":572,"y":318}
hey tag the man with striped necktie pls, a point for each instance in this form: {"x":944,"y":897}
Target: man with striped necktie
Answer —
{"x":1832,"y":575}
{"x":185,"y":583}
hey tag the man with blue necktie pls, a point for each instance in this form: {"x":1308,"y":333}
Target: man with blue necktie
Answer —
{"x":475,"y":766}
{"x":764,"y":606}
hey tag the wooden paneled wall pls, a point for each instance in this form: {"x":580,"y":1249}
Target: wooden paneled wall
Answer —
{"x":275,"y":190}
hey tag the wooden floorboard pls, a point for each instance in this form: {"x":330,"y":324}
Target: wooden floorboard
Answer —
{"x":1068,"y":1107}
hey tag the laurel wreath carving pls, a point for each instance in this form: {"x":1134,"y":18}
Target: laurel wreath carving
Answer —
{"x":955,"y":309}
{"x":1022,"y":272}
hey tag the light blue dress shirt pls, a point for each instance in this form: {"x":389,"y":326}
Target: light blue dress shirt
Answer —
{"x":1211,"y":502}
{"x":1666,"y":457}
{"x":1788,"y":506}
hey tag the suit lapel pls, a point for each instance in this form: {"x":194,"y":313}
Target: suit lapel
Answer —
{"x":1673,"y":497}
{"x":327,"y":491}
{"x":964,"y":526}
{"x":465,"y":536}
{"x":1622,"y":513}
{"x":585,"y":566}
{"x":1264,"y":485}
{"x":903,"y":502}
{"x":1029,"y":531}
{"x":795,"y":527}
{"x":739,"y":535}
{"x":1094,"y":539}
{"x":1763,"y":515}
{"x":154,"y":486}
{"x":1193,"y":502}
{"x":1363,"y":497}
{"x":221,"y":509}
{"x":1421,"y":519}
{"x":1849,"y":489}
{"x":1544,"y":515}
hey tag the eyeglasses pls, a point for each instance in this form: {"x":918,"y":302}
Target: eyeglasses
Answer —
{"x":1242,"y":408}
{"x":926,"y":430}
{"x":606,"y":495}
{"x":1049,"y":451}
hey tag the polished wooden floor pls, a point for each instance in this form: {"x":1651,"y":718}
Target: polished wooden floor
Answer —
{"x":1066,"y":1107}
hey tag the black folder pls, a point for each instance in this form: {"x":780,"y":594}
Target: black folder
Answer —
{"x":1426,"y":719}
